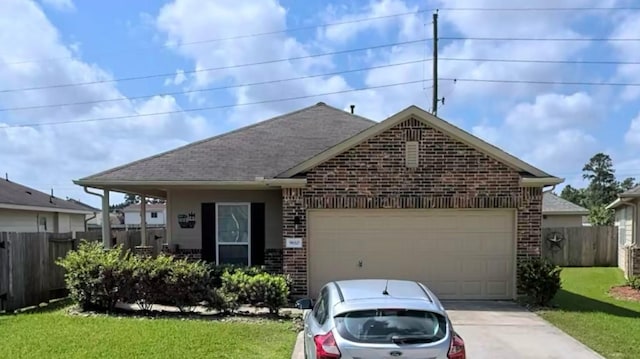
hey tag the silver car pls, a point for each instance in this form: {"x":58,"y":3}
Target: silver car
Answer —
{"x":378,"y":319}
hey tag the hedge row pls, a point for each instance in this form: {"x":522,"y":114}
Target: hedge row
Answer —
{"x":98,"y":279}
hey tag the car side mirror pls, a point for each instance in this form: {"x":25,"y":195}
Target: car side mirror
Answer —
{"x":305,"y":303}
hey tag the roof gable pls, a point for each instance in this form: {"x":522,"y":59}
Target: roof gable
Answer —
{"x":264,"y":149}
{"x":552,"y":204}
{"x":430,"y":120}
{"x":15,"y":195}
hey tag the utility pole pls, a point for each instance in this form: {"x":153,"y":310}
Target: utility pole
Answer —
{"x":434,"y":105}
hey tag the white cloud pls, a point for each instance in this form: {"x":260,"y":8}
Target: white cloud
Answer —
{"x":177,"y":80}
{"x":628,"y":26}
{"x":632,"y":137}
{"x":189,"y":20}
{"x":60,"y":5}
{"x":551,"y":132}
{"x":51,"y":156}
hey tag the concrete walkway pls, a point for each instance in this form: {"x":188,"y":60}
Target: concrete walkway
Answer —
{"x":505,"y":330}
{"x":493,"y":330}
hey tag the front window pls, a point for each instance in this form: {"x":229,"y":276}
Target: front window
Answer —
{"x":233,"y":233}
{"x":400,"y":326}
{"x":154,"y":214}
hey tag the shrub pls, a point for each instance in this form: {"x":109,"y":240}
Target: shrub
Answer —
{"x":216,"y":272}
{"x":96,"y":278}
{"x":539,"y":280}
{"x":238,"y":284}
{"x":634,"y":282}
{"x":268,"y":290}
{"x":187,"y":285}
{"x":150,"y":280}
{"x":222,"y":301}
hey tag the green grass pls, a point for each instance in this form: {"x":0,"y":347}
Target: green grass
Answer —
{"x":54,"y":334}
{"x":586,"y":312}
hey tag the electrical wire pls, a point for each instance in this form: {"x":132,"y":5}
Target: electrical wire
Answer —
{"x":37,"y":124}
{"x":144,"y":77}
{"x":174,"y":93}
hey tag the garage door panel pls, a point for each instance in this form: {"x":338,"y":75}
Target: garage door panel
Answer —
{"x":459,"y":254}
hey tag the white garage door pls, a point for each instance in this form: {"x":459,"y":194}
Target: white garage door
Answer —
{"x":459,"y":254}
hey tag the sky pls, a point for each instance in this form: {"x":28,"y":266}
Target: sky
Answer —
{"x":89,"y":85}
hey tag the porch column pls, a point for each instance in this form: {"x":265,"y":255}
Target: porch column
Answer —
{"x":167,"y":220}
{"x":106,"y":220}
{"x":143,"y":221}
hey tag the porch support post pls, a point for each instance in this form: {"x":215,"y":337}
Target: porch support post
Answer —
{"x":167,"y":219}
{"x":143,"y":221}
{"x":106,"y":220}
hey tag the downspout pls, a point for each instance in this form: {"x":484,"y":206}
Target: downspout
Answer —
{"x":106,"y":222}
{"x":86,"y":221}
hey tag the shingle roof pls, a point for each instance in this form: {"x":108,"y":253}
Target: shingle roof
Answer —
{"x":265,"y":149}
{"x":12,"y":193}
{"x":635,"y":191}
{"x":554,"y":204}
{"x":84,"y":205}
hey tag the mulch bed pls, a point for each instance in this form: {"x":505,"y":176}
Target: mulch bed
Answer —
{"x":625,"y":293}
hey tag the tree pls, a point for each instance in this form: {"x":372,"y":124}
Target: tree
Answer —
{"x":603,"y":187}
{"x":601,"y":216}
{"x":573,"y":195}
{"x":130,"y":198}
{"x":627,"y":184}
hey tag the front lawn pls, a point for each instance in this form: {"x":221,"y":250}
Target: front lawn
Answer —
{"x":588,"y":313}
{"x":55,"y":334}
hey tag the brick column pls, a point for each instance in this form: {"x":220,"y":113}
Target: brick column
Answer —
{"x":294,"y":224}
{"x":529,"y":223}
{"x":635,"y":261}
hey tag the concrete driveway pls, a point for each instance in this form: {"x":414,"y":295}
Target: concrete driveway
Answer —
{"x":505,"y":330}
{"x":495,"y":330}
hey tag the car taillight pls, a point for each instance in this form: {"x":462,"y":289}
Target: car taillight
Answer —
{"x":456,"y":348}
{"x":326,"y":347}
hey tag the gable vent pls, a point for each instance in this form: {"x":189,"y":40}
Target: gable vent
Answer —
{"x":411,"y":154}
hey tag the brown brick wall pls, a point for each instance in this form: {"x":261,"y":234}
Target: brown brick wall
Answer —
{"x":635,"y":261}
{"x":373,"y":175}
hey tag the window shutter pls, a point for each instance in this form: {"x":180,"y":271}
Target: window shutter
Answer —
{"x":208,"y":221}
{"x":411,"y":154}
{"x":257,"y":233}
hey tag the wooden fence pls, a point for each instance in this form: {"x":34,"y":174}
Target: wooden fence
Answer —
{"x":581,"y":246}
{"x":29,"y":274}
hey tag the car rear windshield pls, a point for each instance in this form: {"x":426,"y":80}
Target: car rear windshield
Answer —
{"x":400,"y":326}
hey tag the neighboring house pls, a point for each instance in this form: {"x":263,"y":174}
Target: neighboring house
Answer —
{"x":321,"y":194}
{"x":558,"y":212}
{"x":156,"y":214}
{"x":23,"y":209}
{"x":626,"y":219}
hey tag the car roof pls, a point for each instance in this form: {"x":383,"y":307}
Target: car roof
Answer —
{"x":363,"y":294}
{"x":358,"y":289}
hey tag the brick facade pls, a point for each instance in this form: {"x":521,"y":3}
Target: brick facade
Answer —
{"x":635,"y":261}
{"x":373,"y":174}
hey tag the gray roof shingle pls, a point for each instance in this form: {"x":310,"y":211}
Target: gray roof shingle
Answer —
{"x":554,"y":204}
{"x":12,"y":193}
{"x":635,"y":191}
{"x":264,"y":149}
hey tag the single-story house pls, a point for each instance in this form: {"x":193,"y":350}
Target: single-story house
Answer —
{"x":626,"y":219}
{"x":155,"y":214}
{"x":558,"y":212}
{"x":322,"y":194}
{"x":24,"y":209}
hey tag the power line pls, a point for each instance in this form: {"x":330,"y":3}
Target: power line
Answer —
{"x":538,"y":8}
{"x":237,"y":37}
{"x":577,"y":62}
{"x":213,"y":88}
{"x":537,"y":82}
{"x":143,"y":77}
{"x":593,"y":39}
{"x":36,"y":124}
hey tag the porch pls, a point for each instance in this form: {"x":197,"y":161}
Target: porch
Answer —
{"x":232,"y":224}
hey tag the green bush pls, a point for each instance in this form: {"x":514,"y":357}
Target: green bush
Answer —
{"x":222,"y":301}
{"x":187,"y":285}
{"x":268,"y":290}
{"x":97,"y":278}
{"x":539,"y":280}
{"x":634,"y":282}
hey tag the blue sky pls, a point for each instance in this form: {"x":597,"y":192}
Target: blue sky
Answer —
{"x":555,"y":127}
